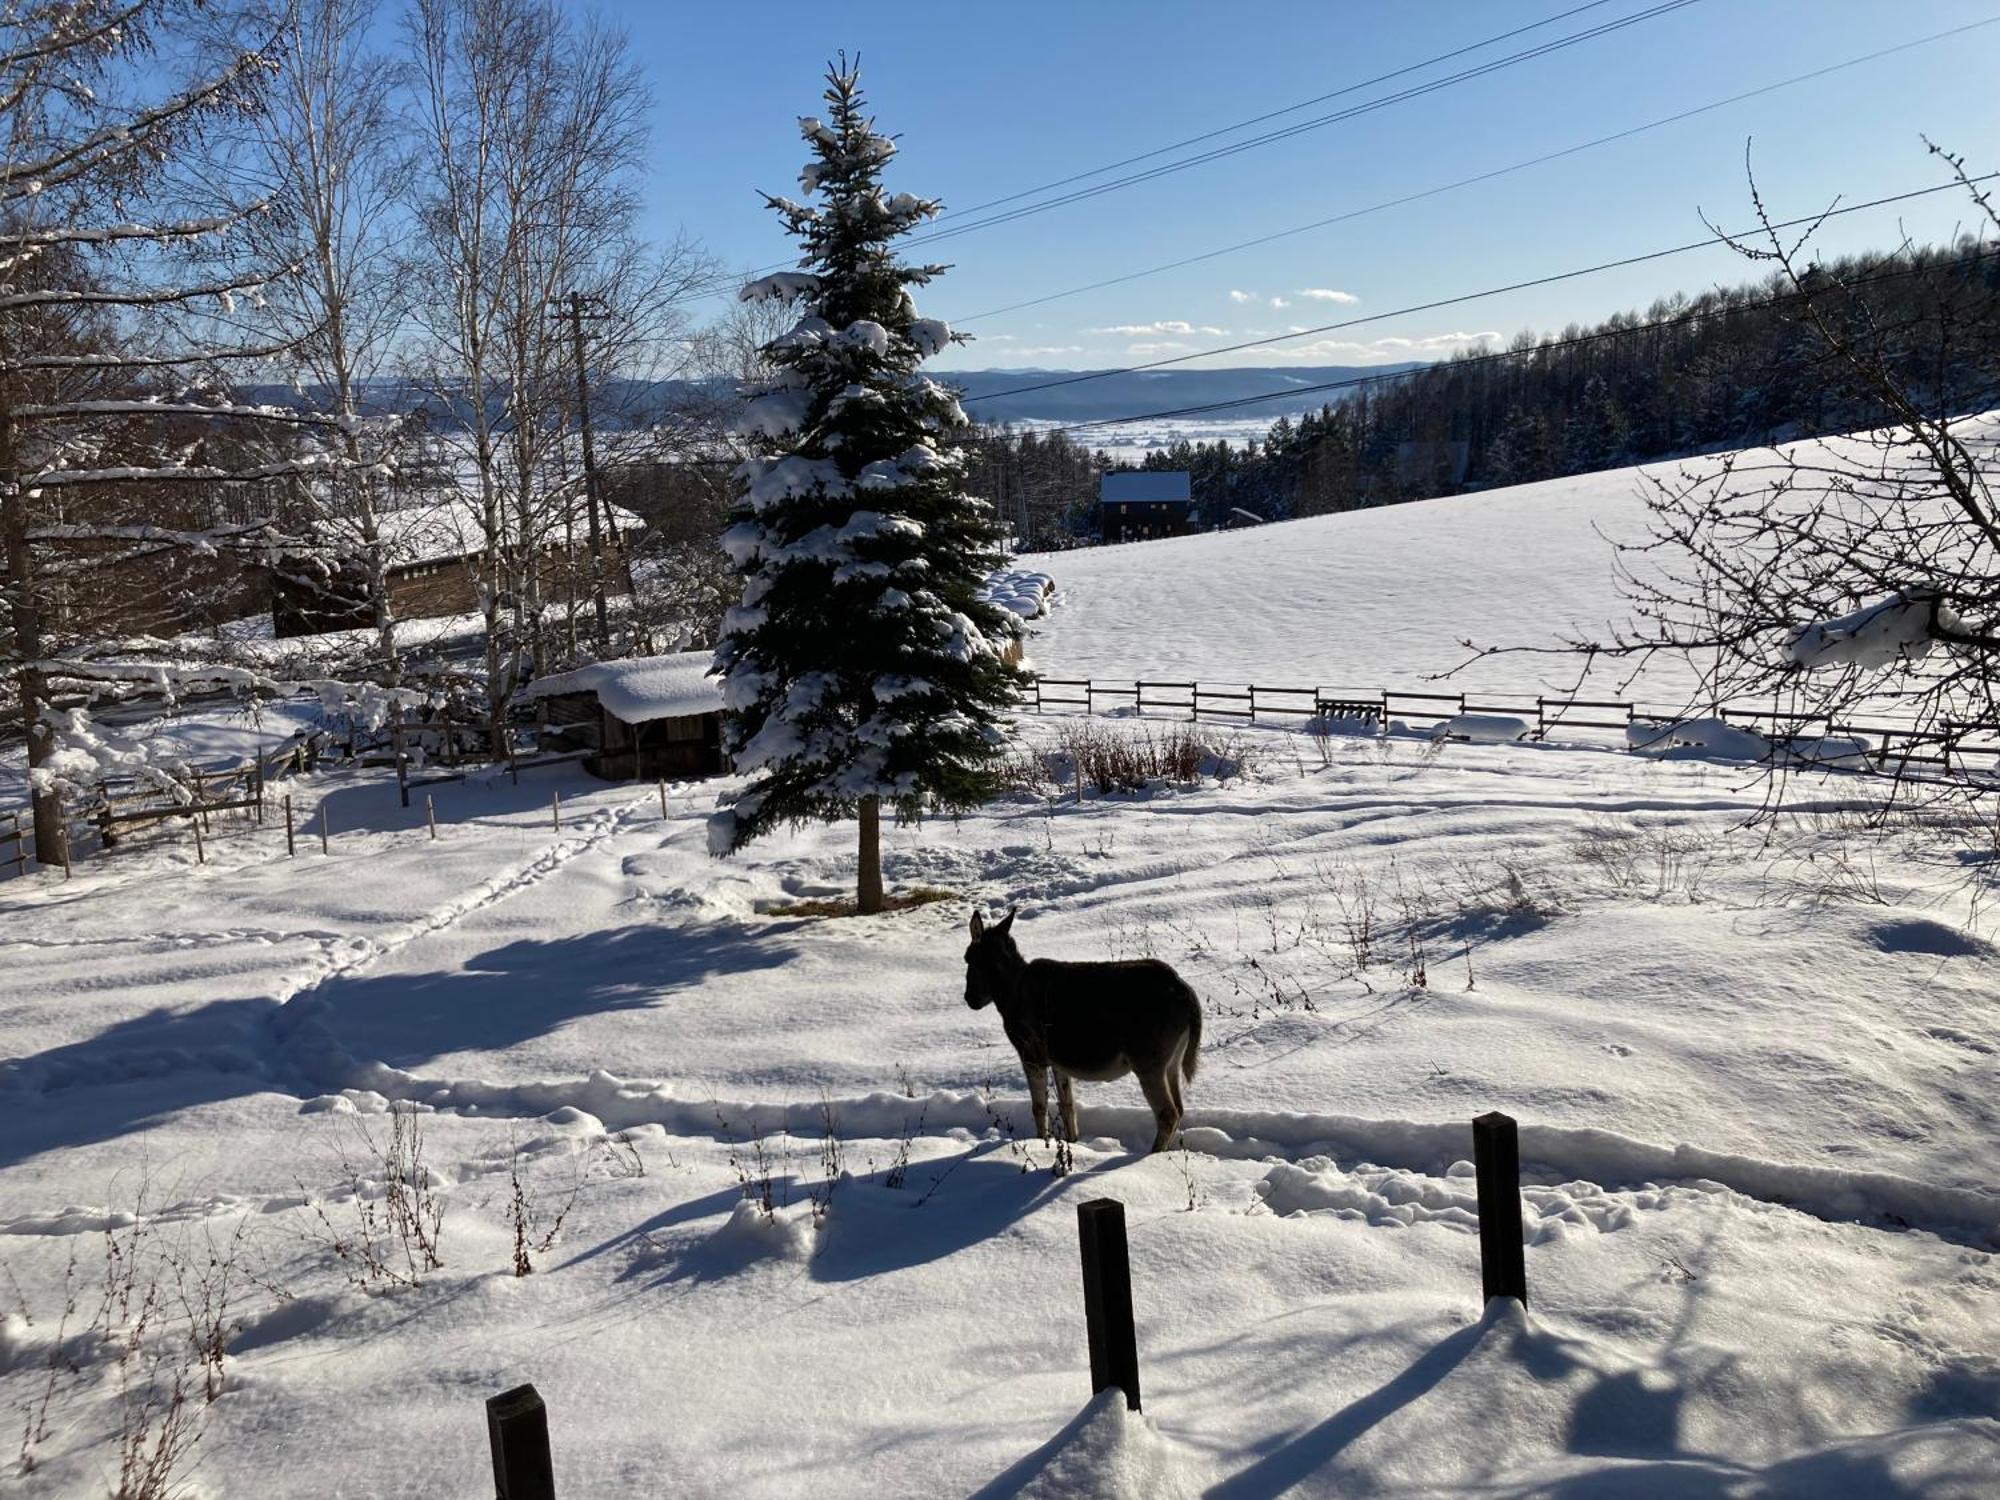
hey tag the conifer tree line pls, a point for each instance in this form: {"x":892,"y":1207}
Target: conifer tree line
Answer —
{"x":1730,"y":368}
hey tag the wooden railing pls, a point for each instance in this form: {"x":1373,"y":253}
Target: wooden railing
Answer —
{"x":1900,"y":745}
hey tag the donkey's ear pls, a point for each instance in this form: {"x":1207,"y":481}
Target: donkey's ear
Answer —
{"x":1007,"y":921}
{"x":978,"y":927}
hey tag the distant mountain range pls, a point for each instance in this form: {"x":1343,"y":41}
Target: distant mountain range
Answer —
{"x":990,"y":395}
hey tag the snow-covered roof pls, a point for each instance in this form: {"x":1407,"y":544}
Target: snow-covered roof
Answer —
{"x":640,"y":689}
{"x":1154,"y":486}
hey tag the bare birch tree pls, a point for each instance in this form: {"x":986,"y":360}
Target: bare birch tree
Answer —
{"x":533,"y":123}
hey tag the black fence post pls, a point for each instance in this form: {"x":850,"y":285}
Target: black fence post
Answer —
{"x":1496,"y":1158}
{"x":517,"y":1427}
{"x":1107,"y":1298}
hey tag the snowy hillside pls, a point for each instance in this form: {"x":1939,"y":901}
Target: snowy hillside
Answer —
{"x":1370,"y":599}
{"x":790,"y":1231}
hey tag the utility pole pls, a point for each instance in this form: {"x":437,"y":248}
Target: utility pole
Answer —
{"x":576,"y":302}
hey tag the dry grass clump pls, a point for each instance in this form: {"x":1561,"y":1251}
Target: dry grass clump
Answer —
{"x":1112,"y":757}
{"x":843,"y":906}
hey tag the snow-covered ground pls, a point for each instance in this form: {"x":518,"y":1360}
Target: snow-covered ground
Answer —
{"x":1756,"y":1073}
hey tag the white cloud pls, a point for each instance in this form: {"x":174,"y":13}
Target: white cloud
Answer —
{"x":1390,"y":347}
{"x":1236,"y":296}
{"x":1327,"y":294}
{"x":1161,"y":326}
{"x":1163,"y":346}
{"x":1281,"y":302}
{"x":1050,"y":349}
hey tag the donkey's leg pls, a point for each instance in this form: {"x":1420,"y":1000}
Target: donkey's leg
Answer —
{"x":1066,"y":1098}
{"x":1164,"y":1110}
{"x":1174,"y":1080}
{"x":1038,"y":1097}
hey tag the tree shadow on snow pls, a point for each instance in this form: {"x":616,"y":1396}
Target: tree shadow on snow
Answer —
{"x":525,"y":989}
{"x":148,"y":1068}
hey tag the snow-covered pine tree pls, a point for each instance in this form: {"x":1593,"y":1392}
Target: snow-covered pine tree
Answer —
{"x":862,"y":666}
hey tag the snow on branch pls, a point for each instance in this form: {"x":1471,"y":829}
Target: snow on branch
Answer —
{"x":311,"y":463}
{"x":781,"y":286}
{"x":179,"y":409}
{"x":27,"y":179}
{"x":206,"y":543}
{"x":26,"y":241}
{"x":1901,"y":628}
{"x":224,"y":292}
{"x":145,"y":361}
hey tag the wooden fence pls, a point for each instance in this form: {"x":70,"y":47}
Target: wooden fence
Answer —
{"x":1951,"y":745}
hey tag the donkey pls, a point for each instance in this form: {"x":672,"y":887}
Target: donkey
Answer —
{"x":1096,"y":1021}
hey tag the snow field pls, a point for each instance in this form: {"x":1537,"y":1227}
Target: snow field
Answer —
{"x":1736,"y":1087}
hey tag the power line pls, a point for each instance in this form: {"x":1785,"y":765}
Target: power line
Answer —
{"x":1519,"y":166}
{"x":1415,"y":91}
{"x":1221,"y":130}
{"x":1664,"y":7}
{"x":1472,"y":361}
{"x":1432,"y":306}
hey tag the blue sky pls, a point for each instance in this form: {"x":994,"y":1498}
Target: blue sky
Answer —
{"x":991,"y":99}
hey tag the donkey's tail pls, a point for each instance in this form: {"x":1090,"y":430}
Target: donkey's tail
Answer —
{"x":1191,"y":1054}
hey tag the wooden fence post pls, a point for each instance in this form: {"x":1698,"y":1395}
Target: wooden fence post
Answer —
{"x":200,"y":852}
{"x":517,"y":1429}
{"x":291,"y":845}
{"x":62,"y":842}
{"x":325,"y":836}
{"x":1107,"y":1298}
{"x":663,"y":798}
{"x":430,"y":815}
{"x":555,"y":808}
{"x":1496,"y":1159}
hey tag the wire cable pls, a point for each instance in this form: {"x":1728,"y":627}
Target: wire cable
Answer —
{"x":1473,"y":361}
{"x":1664,"y":7}
{"x":1465,"y":297}
{"x":1519,"y":166}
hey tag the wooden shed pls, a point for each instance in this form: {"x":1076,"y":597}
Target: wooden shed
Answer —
{"x":644,"y":717}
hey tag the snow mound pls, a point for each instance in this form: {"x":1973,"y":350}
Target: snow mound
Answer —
{"x":1484,"y":729}
{"x":1106,"y":1453}
{"x":1712,"y":739}
{"x":1019,"y":591}
{"x":1389,"y":1199}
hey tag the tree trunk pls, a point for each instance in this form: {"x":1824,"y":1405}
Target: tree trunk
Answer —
{"x":868,"y":884}
{"x":26,"y":619}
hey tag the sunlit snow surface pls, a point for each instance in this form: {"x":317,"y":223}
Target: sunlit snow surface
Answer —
{"x":1755,"y":1072}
